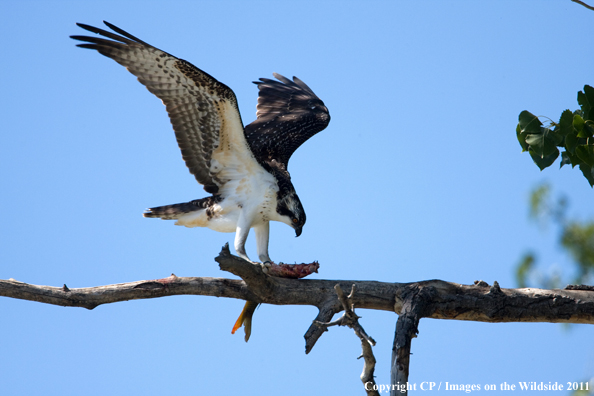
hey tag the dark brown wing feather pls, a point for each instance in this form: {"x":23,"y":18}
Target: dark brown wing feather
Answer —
{"x":202,"y":110}
{"x":289,"y":113}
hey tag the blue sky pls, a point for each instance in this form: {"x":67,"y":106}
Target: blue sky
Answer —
{"x":418,"y":176}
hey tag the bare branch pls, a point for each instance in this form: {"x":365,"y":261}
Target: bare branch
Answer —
{"x":350,"y":319}
{"x":584,"y":4}
{"x":314,"y":332}
{"x":416,"y":305}
{"x":579,"y":287}
{"x":91,"y":297}
{"x":367,"y":376}
{"x":448,"y":300}
{"x":429,"y":300}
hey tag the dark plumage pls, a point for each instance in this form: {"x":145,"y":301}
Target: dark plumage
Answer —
{"x":172,"y":212}
{"x":288,"y":114}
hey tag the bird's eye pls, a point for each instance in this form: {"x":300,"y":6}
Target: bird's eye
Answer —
{"x":295,"y":221}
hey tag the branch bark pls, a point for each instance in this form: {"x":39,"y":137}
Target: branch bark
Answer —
{"x":447,"y":300}
{"x":416,"y":305}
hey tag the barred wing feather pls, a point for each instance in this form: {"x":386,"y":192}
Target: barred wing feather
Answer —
{"x":203,"y":111}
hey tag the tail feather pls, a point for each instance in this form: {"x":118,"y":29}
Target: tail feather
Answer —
{"x":172,"y":212}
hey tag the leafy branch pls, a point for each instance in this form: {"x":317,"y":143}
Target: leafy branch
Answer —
{"x":574,"y":133}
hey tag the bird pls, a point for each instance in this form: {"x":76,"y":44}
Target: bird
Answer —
{"x":244,"y":169}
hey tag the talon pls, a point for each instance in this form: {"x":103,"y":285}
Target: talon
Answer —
{"x":266,"y":266}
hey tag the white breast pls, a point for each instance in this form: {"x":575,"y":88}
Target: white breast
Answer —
{"x":254,"y":195}
{"x":246,"y":187}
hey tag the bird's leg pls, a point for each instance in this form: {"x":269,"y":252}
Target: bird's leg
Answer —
{"x":241,"y":234}
{"x":262,"y":235}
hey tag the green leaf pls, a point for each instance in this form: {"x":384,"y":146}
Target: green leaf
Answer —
{"x":574,"y":132}
{"x":586,"y":101}
{"x":588,"y":172}
{"x":543,"y":162}
{"x":536,"y":143}
{"x":543,"y":144}
{"x":554,"y":136}
{"x":521,"y":138}
{"x":566,"y":123}
{"x":524,"y":268}
{"x":578,"y":125}
{"x":586,"y":154}
{"x":578,"y":239}
{"x":588,"y":130}
{"x":568,"y":158}
{"x":529,"y":123}
{"x":571,"y":142}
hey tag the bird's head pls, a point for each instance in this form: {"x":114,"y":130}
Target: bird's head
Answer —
{"x":291,"y":212}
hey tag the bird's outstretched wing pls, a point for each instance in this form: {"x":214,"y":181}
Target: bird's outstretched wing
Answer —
{"x":289,"y":113}
{"x":203,"y":111}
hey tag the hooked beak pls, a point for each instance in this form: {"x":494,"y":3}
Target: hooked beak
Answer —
{"x":297,"y":232}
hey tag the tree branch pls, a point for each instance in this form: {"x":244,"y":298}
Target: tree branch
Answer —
{"x":416,"y":305}
{"x":584,"y":4}
{"x":448,"y":300}
{"x":91,"y":297}
{"x":350,"y":319}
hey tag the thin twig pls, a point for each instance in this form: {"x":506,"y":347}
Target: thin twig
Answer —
{"x":584,"y":4}
{"x":350,"y":319}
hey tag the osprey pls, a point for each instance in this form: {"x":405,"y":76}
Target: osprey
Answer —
{"x":243,"y":168}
